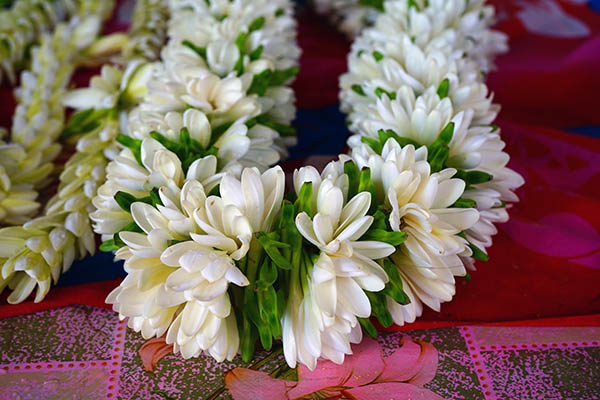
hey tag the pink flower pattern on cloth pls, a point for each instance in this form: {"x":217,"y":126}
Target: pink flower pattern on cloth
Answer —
{"x":365,"y":375}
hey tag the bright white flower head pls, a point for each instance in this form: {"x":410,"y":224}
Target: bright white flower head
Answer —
{"x":182,"y":288}
{"x":338,"y":274}
{"x":160,"y":167}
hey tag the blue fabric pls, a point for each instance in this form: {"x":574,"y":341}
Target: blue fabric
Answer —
{"x":593,"y":131}
{"x":320,"y":131}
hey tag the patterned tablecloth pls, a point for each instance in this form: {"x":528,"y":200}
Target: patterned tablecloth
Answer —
{"x":82,"y":352}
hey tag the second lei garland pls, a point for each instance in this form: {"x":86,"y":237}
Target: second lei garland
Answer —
{"x":220,"y":258}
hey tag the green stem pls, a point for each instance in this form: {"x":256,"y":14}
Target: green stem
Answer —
{"x":253,"y":259}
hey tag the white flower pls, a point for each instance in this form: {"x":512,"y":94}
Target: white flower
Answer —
{"x":334,"y":293}
{"x":160,"y":167}
{"x":181,"y":288}
{"x":257,"y":196}
{"x":103,"y":91}
{"x":301,"y":326}
{"x":419,"y":201}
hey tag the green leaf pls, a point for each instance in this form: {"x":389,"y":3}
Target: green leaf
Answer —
{"x":385,"y":135}
{"x":353,"y":173}
{"x":439,"y":150}
{"x":252,"y":310}
{"x":381,"y":91}
{"x":304,"y":201}
{"x":214,"y":191}
{"x":368,"y":327}
{"x":473,"y":177}
{"x":267,"y":78}
{"x":377,"y":56}
{"x":358,"y":89}
{"x":478,"y":254}
{"x":413,"y":3}
{"x":125,"y":200}
{"x":267,"y":275}
{"x":464,"y":203}
{"x":84,"y":121}
{"x":367,"y":185}
{"x":379,"y":308}
{"x":133,"y":145}
{"x":240,"y":42}
{"x":467,"y":277}
{"x":279,"y":12}
{"x":108,"y":245}
{"x":272,"y":247}
{"x":377,"y":4}
{"x":256,"y":24}
{"x":394,"y":287}
{"x":132,"y":227}
{"x":280,"y":304}
{"x":201,"y":51}
{"x":372,"y":143}
{"x":501,"y":205}
{"x":218,"y":132}
{"x":268,"y":308}
{"x":256,"y":53}
{"x":442,"y":90}
{"x":248,"y":336}
{"x":391,"y":237}
{"x":154,"y":198}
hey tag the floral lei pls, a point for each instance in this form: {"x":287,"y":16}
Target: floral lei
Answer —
{"x":176,"y":157}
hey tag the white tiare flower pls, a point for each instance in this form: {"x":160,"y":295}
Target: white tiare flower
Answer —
{"x":259,"y":197}
{"x":181,"y":288}
{"x":420,"y":206}
{"x":343,"y":268}
{"x":160,"y":167}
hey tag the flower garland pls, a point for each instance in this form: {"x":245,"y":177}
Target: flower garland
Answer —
{"x":36,"y":253}
{"x":458,"y":26}
{"x":27,"y":21}
{"x":217,"y":260}
{"x":218,"y":257}
{"x":217,"y":114}
{"x":38,"y":118}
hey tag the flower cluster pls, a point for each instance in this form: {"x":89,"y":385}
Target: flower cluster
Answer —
{"x":463,"y":25}
{"x":44,"y":247}
{"x":220,"y":93}
{"x":184,"y":249}
{"x":174,"y":167}
{"x":190,"y":197}
{"x":27,"y":21}
{"x":217,"y":260}
{"x":39,"y":117}
{"x":422,"y":122}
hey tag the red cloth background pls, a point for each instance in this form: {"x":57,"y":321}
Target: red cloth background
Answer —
{"x":545,"y":262}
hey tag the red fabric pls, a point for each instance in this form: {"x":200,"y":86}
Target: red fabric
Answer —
{"x":545,"y":262}
{"x":90,"y":294}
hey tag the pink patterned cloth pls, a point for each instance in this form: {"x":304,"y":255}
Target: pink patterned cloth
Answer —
{"x":82,"y":352}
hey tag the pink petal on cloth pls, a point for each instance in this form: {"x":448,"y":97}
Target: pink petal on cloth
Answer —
{"x":390,"y":391}
{"x":360,"y":368}
{"x":413,"y":362}
{"x":152,"y":351}
{"x":248,"y":384}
